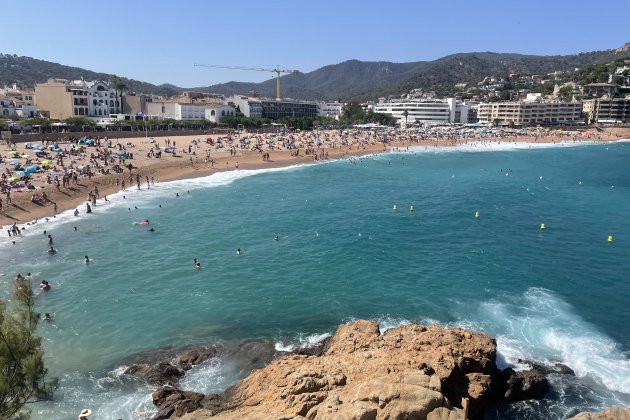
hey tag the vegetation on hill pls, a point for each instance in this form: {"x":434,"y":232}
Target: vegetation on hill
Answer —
{"x":349,"y":80}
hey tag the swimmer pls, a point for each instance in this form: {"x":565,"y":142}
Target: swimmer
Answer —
{"x":47,"y":317}
{"x":238,"y":251}
{"x":277,"y":238}
{"x":87,"y":259}
{"x":75,"y":228}
{"x":176,"y":194}
{"x":151,"y":230}
{"x":52,"y":250}
{"x":76,"y":212}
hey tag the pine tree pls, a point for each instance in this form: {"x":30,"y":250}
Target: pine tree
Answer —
{"x":22,"y":372}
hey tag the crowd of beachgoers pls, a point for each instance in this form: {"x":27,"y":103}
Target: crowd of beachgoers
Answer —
{"x":42,"y":178}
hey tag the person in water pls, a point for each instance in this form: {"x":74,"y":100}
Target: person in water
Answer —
{"x":44,"y":285}
{"x":47,"y":317}
{"x":87,"y":259}
{"x":238,"y":251}
{"x":52,"y":250}
{"x":88,"y":208}
{"x":50,"y":240}
{"x":277,"y":238}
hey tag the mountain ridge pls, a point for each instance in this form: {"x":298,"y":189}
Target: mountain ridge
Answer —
{"x":347,"y":80}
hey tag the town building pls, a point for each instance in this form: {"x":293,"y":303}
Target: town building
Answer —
{"x":175,"y":110}
{"x":330,"y":109}
{"x":214,"y":113}
{"x":7,"y":109}
{"x":23,"y":100}
{"x":273,"y":108}
{"x":424,"y":111}
{"x":530,"y":113}
{"x":597,"y":90}
{"x":135,"y":103}
{"x":607,"y":111}
{"x":63,"y":99}
{"x":248,"y":106}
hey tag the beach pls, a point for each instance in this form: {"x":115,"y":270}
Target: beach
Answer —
{"x":198,"y":156}
{"x":349,"y":246}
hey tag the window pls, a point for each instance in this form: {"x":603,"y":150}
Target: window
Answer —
{"x":212,"y":113}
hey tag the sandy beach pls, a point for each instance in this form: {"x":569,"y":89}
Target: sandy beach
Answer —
{"x":196,"y":157}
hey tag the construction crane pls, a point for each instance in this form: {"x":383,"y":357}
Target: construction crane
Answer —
{"x":276,"y":70}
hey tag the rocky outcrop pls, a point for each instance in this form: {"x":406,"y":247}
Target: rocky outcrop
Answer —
{"x":167,"y":366}
{"x":408,"y":372}
{"x":614,"y":413}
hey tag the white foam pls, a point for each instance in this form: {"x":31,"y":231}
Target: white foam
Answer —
{"x":547,"y":329}
{"x":302,"y":341}
{"x":499,"y":146}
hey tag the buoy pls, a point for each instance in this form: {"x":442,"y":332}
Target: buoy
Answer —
{"x":476,"y":215}
{"x":394,"y":208}
{"x":542,"y":226}
{"x":411,"y":209}
{"x":610,"y":238}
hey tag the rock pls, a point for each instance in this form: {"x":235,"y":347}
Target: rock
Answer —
{"x":613,"y":413}
{"x":525,"y":385}
{"x":173,"y":402}
{"x":194,"y":356}
{"x":159,"y":374}
{"x":408,"y":372}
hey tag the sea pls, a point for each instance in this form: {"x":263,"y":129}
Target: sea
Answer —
{"x":471,"y":254}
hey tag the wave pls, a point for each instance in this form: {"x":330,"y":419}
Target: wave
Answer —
{"x":501,"y":146}
{"x":540,"y":326}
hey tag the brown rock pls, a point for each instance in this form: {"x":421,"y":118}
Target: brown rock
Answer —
{"x":406,"y":373}
{"x":159,"y":374}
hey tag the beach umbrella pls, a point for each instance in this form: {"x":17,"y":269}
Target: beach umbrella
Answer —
{"x":82,"y":141}
{"x":58,"y":150}
{"x":28,"y":145}
{"x":30,"y":169}
{"x":46,"y":162}
{"x":14,"y":153}
{"x":15,"y":163}
{"x":12,"y":178}
{"x":89,"y":142}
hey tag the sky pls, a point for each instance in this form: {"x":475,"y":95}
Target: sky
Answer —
{"x":158,"y":41}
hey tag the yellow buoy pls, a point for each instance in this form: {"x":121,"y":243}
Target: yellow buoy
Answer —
{"x":476,"y":215}
{"x":610,"y":238}
{"x":411,"y":209}
{"x":394,"y":208}
{"x":542,"y":226}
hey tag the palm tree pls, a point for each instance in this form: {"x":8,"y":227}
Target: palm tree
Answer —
{"x":119,"y":86}
{"x":406,"y":114}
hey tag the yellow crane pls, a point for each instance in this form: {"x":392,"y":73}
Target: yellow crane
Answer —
{"x":276,"y":70}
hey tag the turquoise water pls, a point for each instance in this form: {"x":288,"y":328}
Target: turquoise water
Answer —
{"x":555,"y":296}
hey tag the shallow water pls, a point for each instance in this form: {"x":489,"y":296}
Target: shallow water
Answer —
{"x":558,"y":295}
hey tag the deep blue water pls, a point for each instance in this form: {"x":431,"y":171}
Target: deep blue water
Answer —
{"x":558,"y":295}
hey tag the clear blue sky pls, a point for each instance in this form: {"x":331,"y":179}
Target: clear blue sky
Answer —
{"x":158,"y":41}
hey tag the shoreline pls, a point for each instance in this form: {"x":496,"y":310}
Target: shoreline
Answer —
{"x":23,"y":210}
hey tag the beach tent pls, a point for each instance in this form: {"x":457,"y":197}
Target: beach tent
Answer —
{"x":82,"y":141}
{"x":15,"y":163}
{"x":28,"y":145}
{"x":89,"y":142}
{"x":30,"y":169}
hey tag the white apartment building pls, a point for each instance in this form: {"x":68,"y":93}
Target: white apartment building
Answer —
{"x":102,"y":99}
{"x":176,"y":111}
{"x":424,"y":111}
{"x":7,"y":109}
{"x":530,"y":113}
{"x":330,"y":109}
{"x":214,"y":113}
{"x":250,"y":107}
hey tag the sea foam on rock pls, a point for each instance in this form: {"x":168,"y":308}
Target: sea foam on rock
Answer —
{"x":409,"y":372}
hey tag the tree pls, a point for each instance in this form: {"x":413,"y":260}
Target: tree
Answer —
{"x":22,"y":372}
{"x":406,"y":114}
{"x":119,"y":86}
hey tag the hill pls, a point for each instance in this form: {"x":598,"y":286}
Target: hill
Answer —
{"x":352,"y":79}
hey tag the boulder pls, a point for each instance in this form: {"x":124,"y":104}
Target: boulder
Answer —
{"x":158,"y":374}
{"x":525,"y":385}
